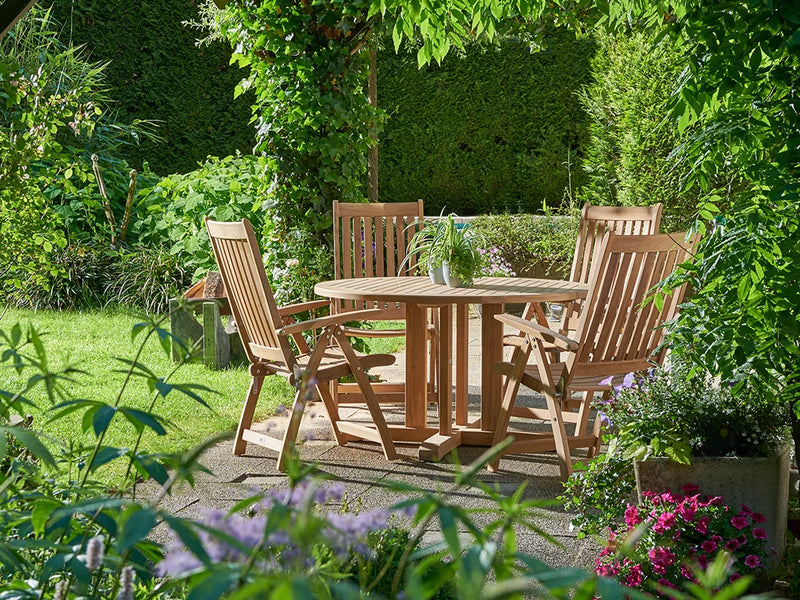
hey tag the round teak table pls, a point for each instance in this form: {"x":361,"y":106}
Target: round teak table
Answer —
{"x":419,"y":293}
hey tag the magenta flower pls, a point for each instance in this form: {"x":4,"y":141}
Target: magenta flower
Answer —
{"x":702,"y":525}
{"x":632,"y":518}
{"x":758,"y":518}
{"x":708,"y":546}
{"x":759,"y":533}
{"x":734,"y":577}
{"x":732,"y":545}
{"x":752,"y":561}
{"x":739,"y":522}
{"x":690,"y":488}
{"x":665,"y":523}
{"x":635,"y":577}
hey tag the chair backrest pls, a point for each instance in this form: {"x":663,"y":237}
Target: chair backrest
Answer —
{"x":597,"y":220}
{"x":370,"y":240}
{"x":618,"y":331}
{"x":251,"y":300}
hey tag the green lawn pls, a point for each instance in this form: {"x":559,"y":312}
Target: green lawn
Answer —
{"x":91,"y":341}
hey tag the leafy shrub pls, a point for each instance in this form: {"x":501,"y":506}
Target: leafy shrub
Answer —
{"x":631,"y":135}
{"x":677,"y":413}
{"x":172,"y":211}
{"x":485,"y":132}
{"x":68,"y":535}
{"x":89,"y":276}
{"x":596,"y":492}
{"x":669,"y":538}
{"x":526,"y":241}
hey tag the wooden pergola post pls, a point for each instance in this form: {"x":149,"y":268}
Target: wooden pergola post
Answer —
{"x":12,"y":11}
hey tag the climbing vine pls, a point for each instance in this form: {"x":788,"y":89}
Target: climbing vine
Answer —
{"x":307,"y":65}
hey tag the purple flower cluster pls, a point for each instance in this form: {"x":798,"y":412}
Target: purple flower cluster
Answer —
{"x":493,"y":264}
{"x":680,"y":533}
{"x":288,"y":547}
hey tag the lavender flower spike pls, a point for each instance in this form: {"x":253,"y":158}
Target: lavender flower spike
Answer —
{"x":126,"y":584}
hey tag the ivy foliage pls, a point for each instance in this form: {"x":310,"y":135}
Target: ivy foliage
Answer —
{"x":488,"y":131}
{"x":314,"y":124}
{"x":156,"y":71}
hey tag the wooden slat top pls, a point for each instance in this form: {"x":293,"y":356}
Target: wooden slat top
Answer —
{"x":420,"y":290}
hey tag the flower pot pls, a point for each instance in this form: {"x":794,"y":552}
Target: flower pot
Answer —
{"x":436,"y":274}
{"x":451,"y":279}
{"x":760,"y":483}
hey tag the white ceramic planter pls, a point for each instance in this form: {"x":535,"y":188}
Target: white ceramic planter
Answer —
{"x":760,"y":483}
{"x":450,"y":278}
{"x":436,"y":274}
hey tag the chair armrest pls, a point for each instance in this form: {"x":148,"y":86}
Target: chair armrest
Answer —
{"x":356,"y":315}
{"x":293,"y":309}
{"x":539,"y":332}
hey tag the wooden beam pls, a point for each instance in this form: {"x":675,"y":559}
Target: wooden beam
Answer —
{"x":12,"y":11}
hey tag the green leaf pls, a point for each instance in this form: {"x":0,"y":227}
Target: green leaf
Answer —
{"x":102,"y":418}
{"x":135,"y":528}
{"x":140,"y":418}
{"x":31,"y":443}
{"x":42,"y":510}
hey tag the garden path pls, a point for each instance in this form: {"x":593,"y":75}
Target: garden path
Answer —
{"x":361,"y":467}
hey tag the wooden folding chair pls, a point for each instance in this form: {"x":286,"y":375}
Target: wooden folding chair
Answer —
{"x":265,"y":331}
{"x":595,"y":222}
{"x":370,"y":240}
{"x":617,"y":333}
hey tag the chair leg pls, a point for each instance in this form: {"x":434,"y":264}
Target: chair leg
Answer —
{"x":369,"y":396}
{"x":249,"y":409}
{"x":290,"y":437}
{"x":324,"y":390}
{"x":559,"y":435}
{"x":597,"y":430}
{"x":581,"y":427}
{"x":510,"y":389}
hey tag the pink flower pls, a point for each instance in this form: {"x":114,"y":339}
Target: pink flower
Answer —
{"x":690,"y":488}
{"x":635,"y":577}
{"x":665,"y":523}
{"x":739,"y":522}
{"x":632,"y":518}
{"x":702,"y":525}
{"x":734,"y":577}
{"x":686,"y":572}
{"x":752,"y":561}
{"x":709,"y":546}
{"x":702,"y":561}
{"x":758,"y":518}
{"x":661,"y":558}
{"x":759,"y":533}
{"x":732,"y":545}
{"x":687,"y":510}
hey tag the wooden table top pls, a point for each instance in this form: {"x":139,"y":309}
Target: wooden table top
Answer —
{"x":420,"y":290}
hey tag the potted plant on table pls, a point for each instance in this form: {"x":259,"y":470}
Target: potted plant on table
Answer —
{"x":674,"y":427}
{"x":449,"y":252}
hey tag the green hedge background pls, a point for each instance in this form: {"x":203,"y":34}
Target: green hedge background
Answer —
{"x":157,"y":72}
{"x":490,"y":132}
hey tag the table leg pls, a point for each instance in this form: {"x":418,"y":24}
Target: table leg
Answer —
{"x":491,"y":353}
{"x":462,"y":364}
{"x":445,"y":368}
{"x":416,"y":366}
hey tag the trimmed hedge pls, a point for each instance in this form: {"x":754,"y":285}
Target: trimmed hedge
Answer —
{"x":628,"y":159}
{"x":489,"y":132}
{"x":157,"y":72}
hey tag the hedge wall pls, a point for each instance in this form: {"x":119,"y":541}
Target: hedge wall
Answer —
{"x":490,"y":132}
{"x":157,"y":72}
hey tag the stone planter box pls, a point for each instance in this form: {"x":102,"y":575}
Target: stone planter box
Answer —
{"x":762,"y":484}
